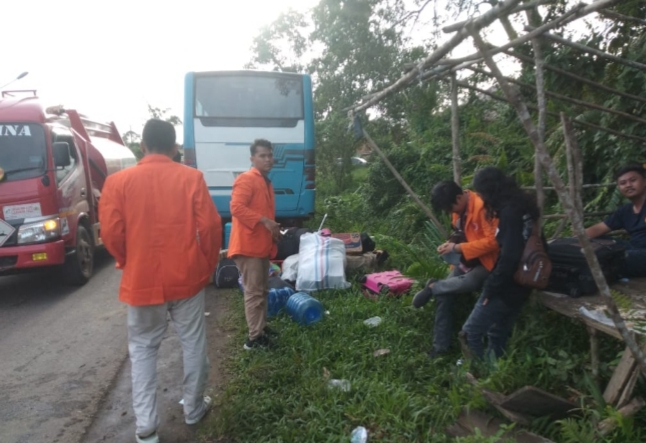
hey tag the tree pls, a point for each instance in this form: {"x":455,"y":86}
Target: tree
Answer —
{"x":132,"y":139}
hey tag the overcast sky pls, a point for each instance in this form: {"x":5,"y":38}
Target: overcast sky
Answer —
{"x":109,"y":59}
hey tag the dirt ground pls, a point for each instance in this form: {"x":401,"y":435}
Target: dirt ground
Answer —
{"x":115,"y":421}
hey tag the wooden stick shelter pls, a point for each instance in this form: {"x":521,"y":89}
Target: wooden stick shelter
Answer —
{"x":437,"y":66}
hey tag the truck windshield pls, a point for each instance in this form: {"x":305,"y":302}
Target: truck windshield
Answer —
{"x":22,"y":151}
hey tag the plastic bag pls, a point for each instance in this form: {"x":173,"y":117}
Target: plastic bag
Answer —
{"x":290,"y":268}
{"x":321,"y":263}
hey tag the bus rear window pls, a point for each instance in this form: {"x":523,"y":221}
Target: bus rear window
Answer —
{"x":249,"y":97}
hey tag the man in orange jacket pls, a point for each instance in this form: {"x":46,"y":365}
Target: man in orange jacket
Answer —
{"x":160,"y":224}
{"x":254,"y":233}
{"x":475,"y":252}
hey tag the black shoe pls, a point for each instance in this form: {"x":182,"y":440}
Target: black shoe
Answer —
{"x":270,"y":332}
{"x":437,"y":354}
{"x":261,"y":342}
{"x":423,"y":296}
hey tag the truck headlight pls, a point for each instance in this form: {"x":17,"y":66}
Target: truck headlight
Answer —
{"x":39,"y":232}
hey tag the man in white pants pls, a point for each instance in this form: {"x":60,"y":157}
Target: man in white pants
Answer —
{"x":160,"y":224}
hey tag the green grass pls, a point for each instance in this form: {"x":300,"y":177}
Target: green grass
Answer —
{"x":281,"y":395}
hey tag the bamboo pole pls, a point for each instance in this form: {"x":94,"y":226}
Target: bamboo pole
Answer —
{"x":570,"y":170}
{"x":566,"y":99}
{"x":484,"y":20}
{"x":542,"y":122}
{"x":559,"y":228}
{"x":401,"y":180}
{"x":591,"y":186}
{"x":590,"y":50}
{"x":532,"y":4}
{"x":577,"y":77}
{"x":623,"y":18}
{"x":572,"y":147}
{"x":554,"y":114}
{"x":455,"y":132}
{"x":589,"y":214}
{"x":594,"y":353}
{"x":575,"y":12}
{"x":575,"y":217}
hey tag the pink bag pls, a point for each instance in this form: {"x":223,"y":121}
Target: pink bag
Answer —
{"x":390,"y":283}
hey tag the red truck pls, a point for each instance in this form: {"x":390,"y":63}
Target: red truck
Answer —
{"x":53,"y":164}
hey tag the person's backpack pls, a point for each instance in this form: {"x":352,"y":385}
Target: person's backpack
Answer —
{"x":571,"y":274}
{"x":535,"y":266}
{"x":290,"y":243}
{"x":226,"y":274}
{"x":367,"y":243}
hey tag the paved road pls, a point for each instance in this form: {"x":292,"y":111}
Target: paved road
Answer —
{"x":60,"y":350}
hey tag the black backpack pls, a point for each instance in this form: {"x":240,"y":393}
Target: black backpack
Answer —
{"x":290,"y":243}
{"x":571,"y":274}
{"x":226,"y":275}
{"x":367,"y":243}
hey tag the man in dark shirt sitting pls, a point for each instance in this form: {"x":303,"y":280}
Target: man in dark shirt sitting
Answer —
{"x":631,"y":182}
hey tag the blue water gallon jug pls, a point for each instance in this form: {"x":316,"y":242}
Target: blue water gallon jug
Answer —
{"x":304,"y":309}
{"x":277,"y":299}
{"x":227,"y":234}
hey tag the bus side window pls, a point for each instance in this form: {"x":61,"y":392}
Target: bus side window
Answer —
{"x":61,"y":173}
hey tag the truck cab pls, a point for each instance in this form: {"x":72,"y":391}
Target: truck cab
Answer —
{"x":53,"y":164}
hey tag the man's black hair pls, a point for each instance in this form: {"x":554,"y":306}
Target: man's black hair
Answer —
{"x":632,"y":167}
{"x":159,"y":136}
{"x":262,"y":143}
{"x":444,"y":195}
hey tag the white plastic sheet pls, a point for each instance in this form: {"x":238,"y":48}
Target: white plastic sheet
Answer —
{"x":321,"y":263}
{"x":290,"y":268}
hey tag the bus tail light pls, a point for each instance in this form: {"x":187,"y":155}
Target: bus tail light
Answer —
{"x":309,"y":173}
{"x":189,"y":157}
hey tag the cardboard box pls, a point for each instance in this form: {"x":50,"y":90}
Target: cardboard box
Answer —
{"x":352,"y":242}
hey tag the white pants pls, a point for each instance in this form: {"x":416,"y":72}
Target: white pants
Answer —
{"x":146,"y":328}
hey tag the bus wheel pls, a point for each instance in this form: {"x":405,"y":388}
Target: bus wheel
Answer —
{"x":78,"y":266}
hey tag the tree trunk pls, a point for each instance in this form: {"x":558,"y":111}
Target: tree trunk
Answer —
{"x":455,"y":132}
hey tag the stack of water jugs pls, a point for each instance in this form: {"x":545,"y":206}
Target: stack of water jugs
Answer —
{"x":301,"y":307}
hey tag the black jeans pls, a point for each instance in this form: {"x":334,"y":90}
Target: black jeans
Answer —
{"x":446,"y":292}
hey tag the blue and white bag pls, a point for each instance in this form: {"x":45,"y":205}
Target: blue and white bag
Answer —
{"x":321,"y":263}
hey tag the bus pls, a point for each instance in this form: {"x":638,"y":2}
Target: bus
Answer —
{"x":224,"y":111}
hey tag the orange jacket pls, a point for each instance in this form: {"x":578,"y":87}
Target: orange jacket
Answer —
{"x":480,"y":233}
{"x":252,"y":198}
{"x":160,"y":224}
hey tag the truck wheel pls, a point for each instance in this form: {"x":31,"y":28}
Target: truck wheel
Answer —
{"x":78,"y":266}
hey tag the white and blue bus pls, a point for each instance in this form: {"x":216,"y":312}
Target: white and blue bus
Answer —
{"x":224,"y":111}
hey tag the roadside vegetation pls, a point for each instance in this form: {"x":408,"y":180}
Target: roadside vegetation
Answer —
{"x":282,"y":395}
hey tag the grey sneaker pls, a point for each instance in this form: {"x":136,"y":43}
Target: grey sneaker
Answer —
{"x":208,"y":402}
{"x":152,"y":438}
{"x":423,"y":296}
